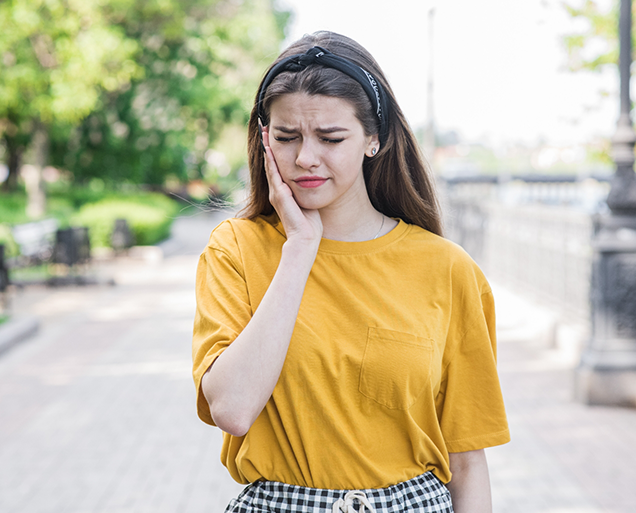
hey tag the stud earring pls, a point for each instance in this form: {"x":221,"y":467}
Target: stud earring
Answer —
{"x":373,"y":151}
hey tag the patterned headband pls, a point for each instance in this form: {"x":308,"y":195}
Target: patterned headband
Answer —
{"x":321,"y":57}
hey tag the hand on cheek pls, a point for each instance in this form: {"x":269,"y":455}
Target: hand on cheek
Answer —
{"x":304,"y":224}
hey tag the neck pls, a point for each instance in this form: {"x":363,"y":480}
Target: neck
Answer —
{"x":352,"y":225}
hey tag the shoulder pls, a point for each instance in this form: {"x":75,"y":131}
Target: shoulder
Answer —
{"x":236,"y":231}
{"x":238,"y":237}
{"x":445,"y":256}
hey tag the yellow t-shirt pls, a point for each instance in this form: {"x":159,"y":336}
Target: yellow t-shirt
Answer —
{"x":392,"y":363}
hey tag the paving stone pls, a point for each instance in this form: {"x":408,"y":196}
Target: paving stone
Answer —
{"x":582,"y":456}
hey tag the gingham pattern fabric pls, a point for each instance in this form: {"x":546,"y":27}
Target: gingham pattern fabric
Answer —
{"x":422,"y":494}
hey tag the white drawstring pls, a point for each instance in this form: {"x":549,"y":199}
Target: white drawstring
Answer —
{"x":346,"y":505}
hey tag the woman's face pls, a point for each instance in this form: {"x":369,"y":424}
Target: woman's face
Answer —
{"x":319,"y":146}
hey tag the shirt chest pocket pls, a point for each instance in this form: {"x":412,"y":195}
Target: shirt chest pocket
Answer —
{"x":396,"y":368}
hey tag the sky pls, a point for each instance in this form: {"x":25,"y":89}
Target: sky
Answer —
{"x":499,"y":66}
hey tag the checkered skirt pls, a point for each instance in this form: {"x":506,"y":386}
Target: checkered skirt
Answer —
{"x":422,"y":494}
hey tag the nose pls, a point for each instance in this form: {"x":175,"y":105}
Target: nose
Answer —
{"x":307,"y":157}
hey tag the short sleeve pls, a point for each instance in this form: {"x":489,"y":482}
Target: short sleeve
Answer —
{"x":470,"y":403}
{"x":222,"y":307}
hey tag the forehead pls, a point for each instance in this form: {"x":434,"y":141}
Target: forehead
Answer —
{"x":301,"y":108}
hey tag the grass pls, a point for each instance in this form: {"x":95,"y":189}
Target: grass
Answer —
{"x":34,"y":273}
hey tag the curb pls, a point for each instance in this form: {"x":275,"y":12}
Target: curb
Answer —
{"x":17,"y":330}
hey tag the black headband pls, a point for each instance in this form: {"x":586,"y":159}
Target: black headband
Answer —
{"x":322,"y":57}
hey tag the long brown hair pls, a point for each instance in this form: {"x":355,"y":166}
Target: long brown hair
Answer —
{"x":398,"y":180}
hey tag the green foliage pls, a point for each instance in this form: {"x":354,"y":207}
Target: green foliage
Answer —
{"x":201,"y":61}
{"x":6,"y":238}
{"x":12,"y":208}
{"x":149,"y":217}
{"x":77,"y":196}
{"x":130,"y":90}
{"x":32,"y":273}
{"x":13,"y":211}
{"x":596,"y":45}
{"x":593,"y":48}
{"x":57,"y":57}
{"x":600,"y":153}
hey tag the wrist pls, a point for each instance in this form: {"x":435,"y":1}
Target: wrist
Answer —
{"x":301,"y":249}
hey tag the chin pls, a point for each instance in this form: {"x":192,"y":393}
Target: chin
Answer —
{"x":309,"y":204}
{"x":311,"y":201}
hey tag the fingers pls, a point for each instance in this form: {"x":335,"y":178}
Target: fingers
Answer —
{"x":278,"y":190}
{"x":271,"y":168}
{"x":265,"y":142}
{"x":270,"y":161}
{"x":264,"y":134}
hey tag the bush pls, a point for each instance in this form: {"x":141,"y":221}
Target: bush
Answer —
{"x":13,"y":208}
{"x":148,"y":215}
{"x":6,"y":238}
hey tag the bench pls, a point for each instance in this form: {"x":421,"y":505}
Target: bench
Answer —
{"x":4,"y":276}
{"x":36,"y":240}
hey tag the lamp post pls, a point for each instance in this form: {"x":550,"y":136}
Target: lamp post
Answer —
{"x":607,"y":372}
{"x":622,"y":196}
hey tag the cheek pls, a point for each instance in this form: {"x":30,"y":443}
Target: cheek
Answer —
{"x":283,"y":155}
{"x":349,"y":164}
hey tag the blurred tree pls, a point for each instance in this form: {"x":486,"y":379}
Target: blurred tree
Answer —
{"x":596,"y":43}
{"x":56,"y":56}
{"x":593,"y":47}
{"x":201,"y":61}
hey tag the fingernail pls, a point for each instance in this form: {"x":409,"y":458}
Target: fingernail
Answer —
{"x":260,"y":131}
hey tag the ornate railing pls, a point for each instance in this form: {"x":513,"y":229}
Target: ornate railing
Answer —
{"x":532,"y":233}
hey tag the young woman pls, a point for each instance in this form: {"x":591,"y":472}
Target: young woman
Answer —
{"x":344,"y":347}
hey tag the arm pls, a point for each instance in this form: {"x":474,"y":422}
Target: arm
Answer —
{"x":241,"y":380}
{"x":470,"y":484}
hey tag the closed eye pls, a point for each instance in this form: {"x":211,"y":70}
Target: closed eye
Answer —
{"x":333,"y":141}
{"x":284,"y":139}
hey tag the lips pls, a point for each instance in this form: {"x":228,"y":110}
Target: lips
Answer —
{"x":310,"y":182}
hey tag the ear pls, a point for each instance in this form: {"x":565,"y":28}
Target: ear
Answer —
{"x":373,"y":147}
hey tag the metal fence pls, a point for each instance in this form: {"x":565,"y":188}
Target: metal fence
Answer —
{"x":531,"y":233}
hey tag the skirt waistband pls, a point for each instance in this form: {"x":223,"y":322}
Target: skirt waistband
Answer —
{"x":422,"y":494}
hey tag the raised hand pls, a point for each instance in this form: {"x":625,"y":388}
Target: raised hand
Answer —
{"x":243,"y":377}
{"x":299,"y":223}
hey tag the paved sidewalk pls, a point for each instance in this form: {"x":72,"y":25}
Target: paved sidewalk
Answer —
{"x":97,"y":410}
{"x":564,"y":457}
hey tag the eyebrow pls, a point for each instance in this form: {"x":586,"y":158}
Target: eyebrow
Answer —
{"x":326,"y":130}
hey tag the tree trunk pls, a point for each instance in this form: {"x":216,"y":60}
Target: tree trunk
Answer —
{"x":14,"y":158}
{"x":32,"y":174}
